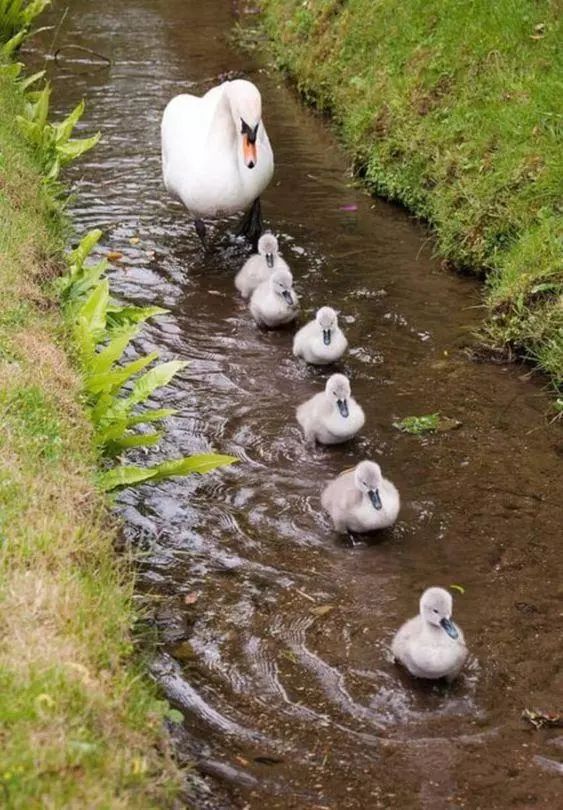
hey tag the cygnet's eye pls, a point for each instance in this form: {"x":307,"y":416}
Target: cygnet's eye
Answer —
{"x":435,"y":610}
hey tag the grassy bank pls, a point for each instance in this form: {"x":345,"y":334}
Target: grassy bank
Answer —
{"x":453,"y":109}
{"x":79,"y":726}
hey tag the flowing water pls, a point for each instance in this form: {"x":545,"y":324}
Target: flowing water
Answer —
{"x":274,"y":632}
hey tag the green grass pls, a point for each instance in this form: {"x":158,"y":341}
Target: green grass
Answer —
{"x":453,"y":109}
{"x":80,"y":725}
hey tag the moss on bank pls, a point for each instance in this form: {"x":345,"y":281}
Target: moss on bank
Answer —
{"x":79,"y":726}
{"x":453,"y":109}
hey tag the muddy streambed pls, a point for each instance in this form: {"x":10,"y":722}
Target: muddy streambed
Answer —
{"x":294,"y":706}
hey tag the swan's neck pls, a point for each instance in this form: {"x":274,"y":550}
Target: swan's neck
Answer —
{"x":223,"y":131}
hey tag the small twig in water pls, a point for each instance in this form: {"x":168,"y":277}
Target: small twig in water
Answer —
{"x":306,"y":595}
{"x":105,"y":60}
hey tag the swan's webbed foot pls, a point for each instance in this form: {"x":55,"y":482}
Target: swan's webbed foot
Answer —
{"x":200,"y":230}
{"x":251,"y":224}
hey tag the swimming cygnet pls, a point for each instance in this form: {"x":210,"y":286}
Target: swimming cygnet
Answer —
{"x":333,"y":416}
{"x":274,"y":302}
{"x":259,"y":267}
{"x":321,"y":341}
{"x":361,"y":500}
{"x":430,"y":645}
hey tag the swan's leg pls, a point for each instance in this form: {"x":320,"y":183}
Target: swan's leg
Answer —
{"x":200,"y":228}
{"x":251,"y":223}
{"x":353,"y":538}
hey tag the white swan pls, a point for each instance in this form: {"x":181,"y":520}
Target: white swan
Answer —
{"x":333,"y":416}
{"x":361,"y":500}
{"x":274,"y":302}
{"x":260,"y":266}
{"x":216,"y":156}
{"x":430,"y":645}
{"x":321,"y":341}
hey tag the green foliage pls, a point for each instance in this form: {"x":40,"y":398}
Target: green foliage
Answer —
{"x":53,"y":141}
{"x":126,"y":476}
{"x":80,"y":725}
{"x":418,"y":424}
{"x":455,"y":111}
{"x":103,"y":331}
{"x":15,"y":18}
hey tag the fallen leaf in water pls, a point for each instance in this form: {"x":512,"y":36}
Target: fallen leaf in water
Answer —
{"x":268,"y":760}
{"x":114,"y":256}
{"x":431,"y":423}
{"x":418,"y":424}
{"x":350,"y":207}
{"x":134,"y":240}
{"x":543,"y":719}
{"x":459,"y":588}
{"x":242,"y":761}
{"x":191,"y":598}
{"x":321,"y":610}
{"x":183,"y":651}
{"x":447,"y":423}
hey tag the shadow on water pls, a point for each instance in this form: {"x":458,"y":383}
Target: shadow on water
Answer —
{"x":293,"y":706}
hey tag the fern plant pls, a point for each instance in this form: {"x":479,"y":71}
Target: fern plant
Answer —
{"x":103,"y":331}
{"x":16,"y":17}
{"x":53,"y":142}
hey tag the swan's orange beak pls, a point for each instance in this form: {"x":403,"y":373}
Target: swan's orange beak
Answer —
{"x":248,"y":151}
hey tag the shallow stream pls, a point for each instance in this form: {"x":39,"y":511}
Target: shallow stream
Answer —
{"x":274,"y":631}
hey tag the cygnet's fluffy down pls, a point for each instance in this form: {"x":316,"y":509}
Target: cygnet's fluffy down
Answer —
{"x":361,"y":500}
{"x":333,"y":416}
{"x":430,"y":645}
{"x":274,"y":302}
{"x":260,"y":266}
{"x":321,"y":341}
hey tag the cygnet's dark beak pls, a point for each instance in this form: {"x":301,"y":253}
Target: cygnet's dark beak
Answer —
{"x":449,"y":627}
{"x":373,"y":495}
{"x":326,"y":337}
{"x":288,"y":297}
{"x":270,"y":259}
{"x":343,"y":407}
